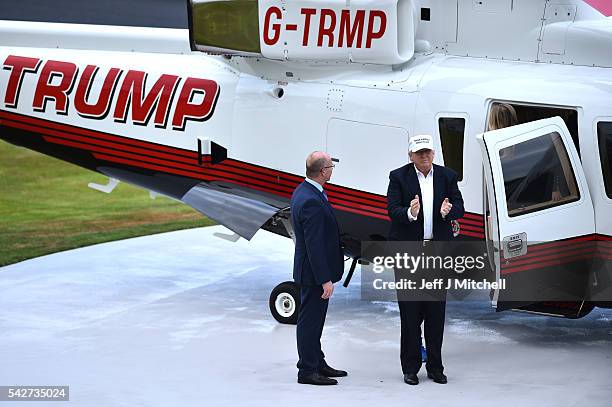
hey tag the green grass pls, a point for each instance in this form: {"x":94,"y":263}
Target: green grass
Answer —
{"x":46,"y":207}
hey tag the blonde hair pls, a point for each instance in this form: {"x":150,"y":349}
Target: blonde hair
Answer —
{"x":502,"y":115}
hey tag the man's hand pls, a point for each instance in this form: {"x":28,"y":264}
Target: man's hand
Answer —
{"x":446,"y":207}
{"x":415,"y":206}
{"x":328,"y":289}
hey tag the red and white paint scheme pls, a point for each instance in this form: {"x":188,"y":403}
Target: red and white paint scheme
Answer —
{"x":227,"y":131}
{"x":61,"y":83}
{"x":604,"y":6}
{"x":365,"y":31}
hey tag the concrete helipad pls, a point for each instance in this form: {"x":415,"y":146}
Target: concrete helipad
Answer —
{"x":182,"y":319}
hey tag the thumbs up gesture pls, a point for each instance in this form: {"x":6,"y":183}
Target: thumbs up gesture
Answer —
{"x":446,"y":207}
{"x":415,"y":206}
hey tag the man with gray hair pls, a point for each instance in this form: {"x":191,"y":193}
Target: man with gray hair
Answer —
{"x":318,"y":263}
{"x":422,"y":201}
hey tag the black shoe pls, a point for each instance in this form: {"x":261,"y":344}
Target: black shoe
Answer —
{"x":411,"y":379}
{"x":437,"y":377}
{"x":317,"y":380}
{"x":331,"y":372}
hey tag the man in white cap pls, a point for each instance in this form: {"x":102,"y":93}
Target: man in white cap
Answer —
{"x":422,"y":200}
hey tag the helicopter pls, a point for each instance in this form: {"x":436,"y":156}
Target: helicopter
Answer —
{"x":222,"y":115}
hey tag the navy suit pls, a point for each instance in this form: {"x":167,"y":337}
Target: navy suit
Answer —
{"x":403,"y":186}
{"x":318,"y":259}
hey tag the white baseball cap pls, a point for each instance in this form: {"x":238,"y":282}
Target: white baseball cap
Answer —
{"x":420,"y":142}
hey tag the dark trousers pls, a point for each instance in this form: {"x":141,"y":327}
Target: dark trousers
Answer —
{"x":412,"y":314}
{"x":311,"y":319}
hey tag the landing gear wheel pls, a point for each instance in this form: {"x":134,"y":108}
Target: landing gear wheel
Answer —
{"x":285,"y":302}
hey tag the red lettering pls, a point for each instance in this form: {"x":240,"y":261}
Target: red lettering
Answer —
{"x":357,"y":29}
{"x":100,"y":109}
{"x":186,"y":109}
{"x":18,"y":67}
{"x":275,"y":27}
{"x":46,"y":91}
{"x":307,"y":12}
{"x":158,"y":99}
{"x":327,"y":31}
{"x":381,"y":30}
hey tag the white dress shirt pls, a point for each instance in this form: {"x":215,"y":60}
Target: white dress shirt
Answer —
{"x":316,"y":184}
{"x":427,"y":198}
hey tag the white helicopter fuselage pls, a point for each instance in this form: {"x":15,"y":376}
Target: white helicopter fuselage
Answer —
{"x":229,"y":134}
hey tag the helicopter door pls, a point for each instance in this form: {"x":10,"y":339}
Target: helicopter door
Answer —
{"x":541,"y":221}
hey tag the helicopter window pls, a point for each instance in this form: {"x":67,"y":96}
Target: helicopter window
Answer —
{"x":452,"y":131}
{"x":604,"y":132}
{"x":425,"y":14}
{"x":529,"y":113}
{"x":232,"y":25}
{"x":537,"y":175}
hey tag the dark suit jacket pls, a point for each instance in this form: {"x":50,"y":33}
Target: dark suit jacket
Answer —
{"x":318,"y":251}
{"x":404,"y":185}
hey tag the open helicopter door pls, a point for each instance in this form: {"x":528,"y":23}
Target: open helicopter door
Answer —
{"x":540,"y":223}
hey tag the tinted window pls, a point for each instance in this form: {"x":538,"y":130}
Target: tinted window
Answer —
{"x":226,"y":25}
{"x":527,"y":114}
{"x":604,"y":132}
{"x":537,"y":175}
{"x":451,"y":136}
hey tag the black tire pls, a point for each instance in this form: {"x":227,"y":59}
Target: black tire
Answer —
{"x":285,"y":302}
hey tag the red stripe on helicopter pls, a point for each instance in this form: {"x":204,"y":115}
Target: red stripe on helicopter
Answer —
{"x":471,"y":234}
{"x":560,"y":243}
{"x":218,"y":172}
{"x":472,"y":222}
{"x":281,"y":177}
{"x":545,"y":264}
{"x":247,"y":183}
{"x":182,"y":162}
{"x":469,"y":227}
{"x":278,"y":177}
{"x":560,"y":252}
{"x":102,"y":143}
{"x":520,"y":261}
{"x":535,"y":252}
{"x":43,"y":123}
